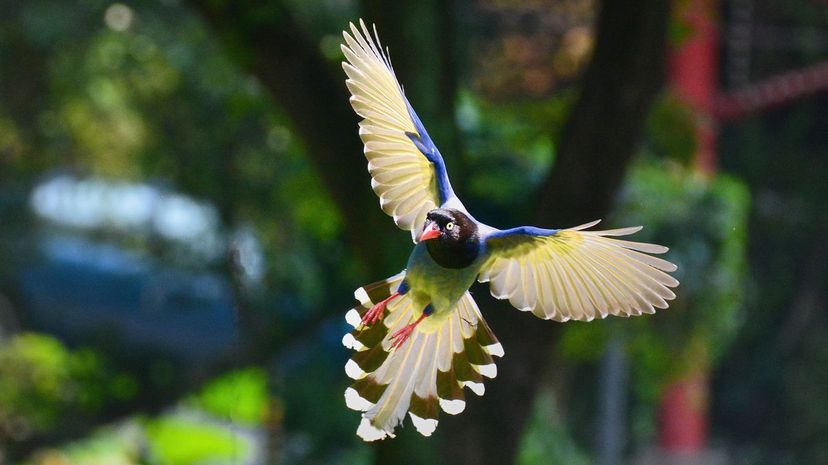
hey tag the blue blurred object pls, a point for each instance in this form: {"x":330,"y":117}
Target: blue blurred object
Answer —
{"x":88,"y":283}
{"x":86,"y":291}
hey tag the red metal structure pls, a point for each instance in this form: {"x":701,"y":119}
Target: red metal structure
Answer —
{"x":694,"y":76}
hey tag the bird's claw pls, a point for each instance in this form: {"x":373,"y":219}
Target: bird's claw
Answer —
{"x":399,"y":337}
{"x":374,"y":314}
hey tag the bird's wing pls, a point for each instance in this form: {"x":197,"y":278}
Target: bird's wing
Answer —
{"x":576,"y":274}
{"x":408,"y":173}
{"x":426,"y":374}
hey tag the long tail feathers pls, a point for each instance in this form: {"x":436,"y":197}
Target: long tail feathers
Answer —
{"x":426,"y":374}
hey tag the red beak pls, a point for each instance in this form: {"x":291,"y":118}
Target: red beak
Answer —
{"x":431,"y":231}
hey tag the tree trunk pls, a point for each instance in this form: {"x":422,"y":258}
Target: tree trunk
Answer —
{"x":599,"y":140}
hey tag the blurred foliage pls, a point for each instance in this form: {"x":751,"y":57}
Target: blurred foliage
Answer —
{"x":511,"y":145}
{"x":671,"y":130}
{"x":705,"y":223}
{"x":123,"y":444}
{"x":173,"y":439}
{"x":547,"y":440}
{"x":775,"y":369}
{"x":41,"y":381}
{"x":216,"y":425}
{"x":178,"y":441}
{"x":240,"y":396}
{"x":141,"y":91}
{"x":516,"y":62}
{"x":315,"y":393}
{"x":151,"y":96}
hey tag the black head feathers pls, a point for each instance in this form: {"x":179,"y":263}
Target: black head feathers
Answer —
{"x":458,"y":244}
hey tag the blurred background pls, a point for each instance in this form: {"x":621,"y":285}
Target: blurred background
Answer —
{"x":185,"y":212}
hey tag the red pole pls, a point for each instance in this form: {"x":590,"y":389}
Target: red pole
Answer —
{"x":683,"y":414}
{"x":693,"y":73}
{"x":683,"y":419}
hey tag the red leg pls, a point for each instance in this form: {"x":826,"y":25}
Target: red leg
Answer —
{"x":375,"y":313}
{"x":401,"y":335}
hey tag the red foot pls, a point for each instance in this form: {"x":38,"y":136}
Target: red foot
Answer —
{"x":401,"y":335}
{"x":375,"y":313}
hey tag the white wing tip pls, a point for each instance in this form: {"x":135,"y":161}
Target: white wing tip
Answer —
{"x":369,"y":432}
{"x":362,"y":296}
{"x":489,"y":371}
{"x":353,"y":318}
{"x":356,"y":402}
{"x":633,"y":229}
{"x":453,"y":407}
{"x":476,"y":388}
{"x":353,"y":370}
{"x":659,"y":249}
{"x":425,"y":426}
{"x":495,"y":350}
{"x":349,"y":341}
{"x":585,"y":225}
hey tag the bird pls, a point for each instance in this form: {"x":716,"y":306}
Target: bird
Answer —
{"x":418,"y":338}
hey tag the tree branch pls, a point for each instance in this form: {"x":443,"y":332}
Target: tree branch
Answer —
{"x":271,"y":45}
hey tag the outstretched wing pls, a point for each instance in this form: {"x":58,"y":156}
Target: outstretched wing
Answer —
{"x":407,"y":170}
{"x":577,"y":274}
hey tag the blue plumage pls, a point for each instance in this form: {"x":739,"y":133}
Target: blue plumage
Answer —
{"x":522,"y":230}
{"x":426,"y":146}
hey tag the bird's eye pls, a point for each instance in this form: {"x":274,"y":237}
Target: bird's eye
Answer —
{"x":450,"y":226}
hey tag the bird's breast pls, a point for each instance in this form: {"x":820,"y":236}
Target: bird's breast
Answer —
{"x":441,"y":286}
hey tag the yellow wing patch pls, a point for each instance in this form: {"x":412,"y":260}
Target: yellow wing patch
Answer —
{"x":579,"y":275}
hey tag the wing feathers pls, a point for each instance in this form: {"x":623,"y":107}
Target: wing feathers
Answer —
{"x":402,"y":177}
{"x":578,"y":274}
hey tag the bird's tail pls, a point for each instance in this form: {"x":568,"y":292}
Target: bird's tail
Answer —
{"x":427,"y":372}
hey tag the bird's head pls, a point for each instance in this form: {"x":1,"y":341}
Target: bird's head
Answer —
{"x":447,"y":225}
{"x":451,"y":237}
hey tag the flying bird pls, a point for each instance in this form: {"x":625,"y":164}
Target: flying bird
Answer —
{"x":419,"y":338}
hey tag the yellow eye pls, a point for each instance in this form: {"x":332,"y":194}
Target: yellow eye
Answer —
{"x":450,"y":226}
